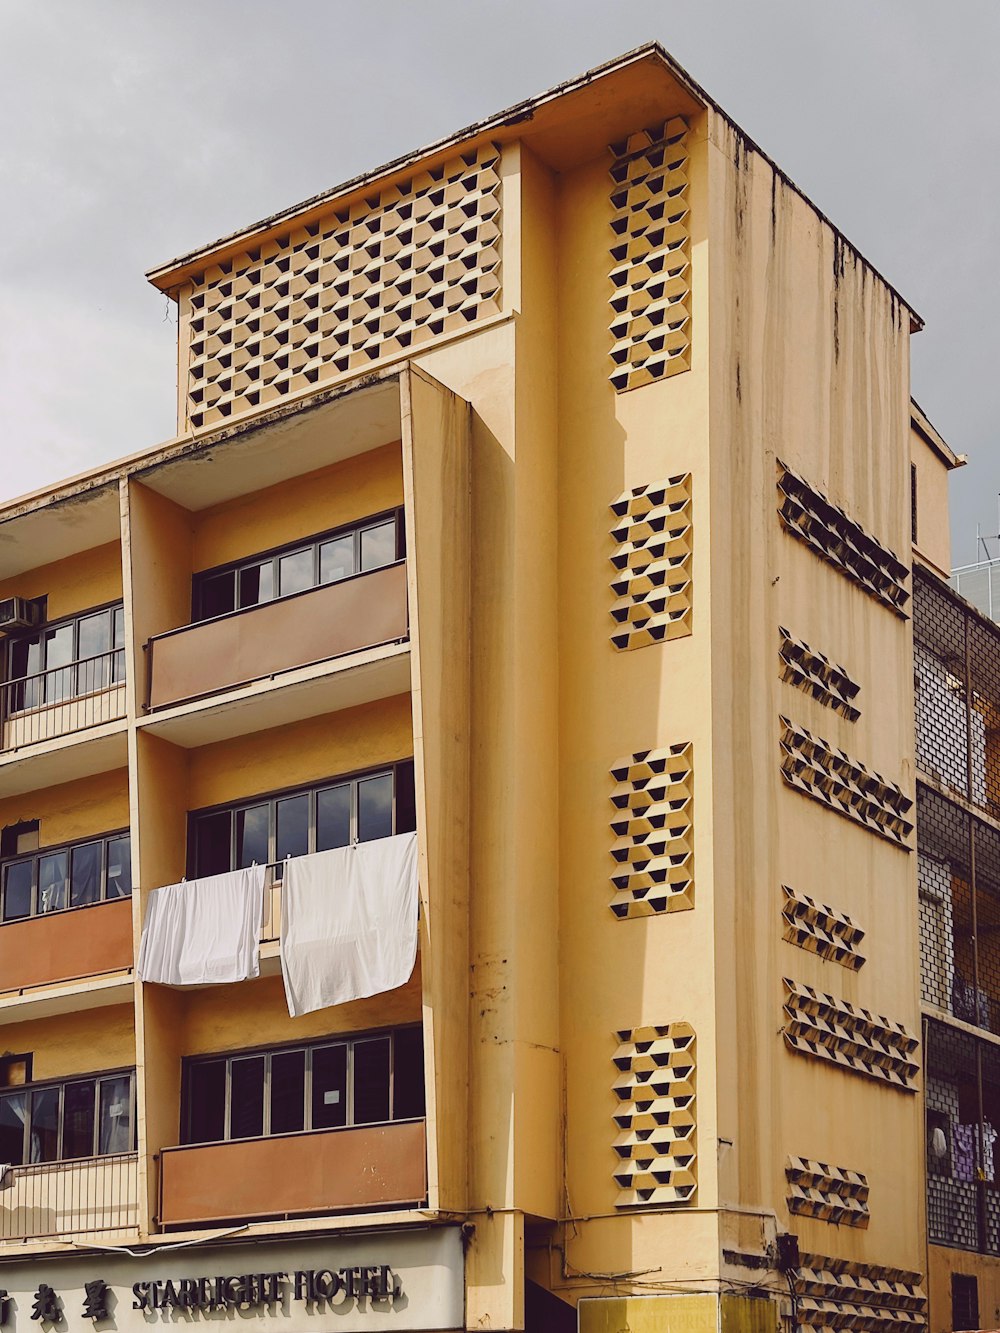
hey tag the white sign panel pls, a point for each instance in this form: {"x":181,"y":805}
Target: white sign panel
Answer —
{"x":401,"y":1280}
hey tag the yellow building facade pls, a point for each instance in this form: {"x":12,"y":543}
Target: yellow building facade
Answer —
{"x":553,"y":493}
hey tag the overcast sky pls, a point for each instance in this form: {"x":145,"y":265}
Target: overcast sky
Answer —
{"x":134,"y":130}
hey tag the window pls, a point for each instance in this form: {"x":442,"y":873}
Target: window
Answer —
{"x":964,"y":1301}
{"x":331,"y":1084}
{"x":80,"y":655}
{"x":266,"y":830}
{"x":327,"y":558}
{"x":913,"y":502}
{"x":53,"y":879}
{"x":56,"y":1122}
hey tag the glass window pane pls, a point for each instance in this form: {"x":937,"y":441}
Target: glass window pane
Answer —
{"x":58,"y":654}
{"x":246,"y":1098}
{"x":378,"y":545}
{"x":78,"y":1120}
{"x":217,"y":595}
{"x":115,"y":1125}
{"x":53,"y":882}
{"x":408,"y":1074}
{"x":85,"y":877}
{"x":329,"y":1087}
{"x":118,"y":661}
{"x":95,"y":635}
{"x":25,"y":659}
{"x":288,"y":1092}
{"x":17,"y":891}
{"x":44,"y":1139}
{"x":375,"y":807}
{"x":251,"y":836}
{"x":336,"y":559}
{"x":333,"y":817}
{"x":371,"y":1081}
{"x":295,"y":572}
{"x":256,"y":584}
{"x":406,"y":809}
{"x":119,"y":880}
{"x":206,"y":1102}
{"x":12,"y":1114}
{"x":213,"y":853}
{"x":293,"y":826}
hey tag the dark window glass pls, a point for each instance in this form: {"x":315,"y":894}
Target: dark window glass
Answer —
{"x":288,"y":1092}
{"x":336,"y":559}
{"x":406,"y":810}
{"x":78,"y":1120}
{"x":329,"y":1087}
{"x":13,"y":1109}
{"x":408,"y":1074}
{"x":85,"y":877}
{"x":213,"y":854}
{"x":375,"y":807}
{"x":44,"y":1141}
{"x":252,"y":836}
{"x":378,"y":545}
{"x":333,"y":817}
{"x":256,"y":584}
{"x":246,"y":1098}
{"x":293,"y":827}
{"x":116,"y":1115}
{"x":217,"y":595}
{"x":119,"y":879}
{"x":207,"y":1102}
{"x":53,"y":882}
{"x":371,"y":1081}
{"x":17,"y":891}
{"x":296,"y":572}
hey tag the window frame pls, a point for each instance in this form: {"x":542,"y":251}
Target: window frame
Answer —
{"x":43,"y":1085}
{"x":275,"y":554}
{"x":38,"y":853}
{"x":115,"y":655}
{"x":271,"y":799}
{"x":350,"y":1040}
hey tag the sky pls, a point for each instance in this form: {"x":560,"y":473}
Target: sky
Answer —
{"x":135,"y":130}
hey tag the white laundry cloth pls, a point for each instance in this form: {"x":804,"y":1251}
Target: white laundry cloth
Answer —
{"x":348,"y":922}
{"x":204,"y":931}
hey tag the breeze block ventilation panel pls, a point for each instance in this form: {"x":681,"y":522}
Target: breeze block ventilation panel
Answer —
{"x":840,"y":541}
{"x":652,"y":560}
{"x":819,"y":929}
{"x":828,"y":1193}
{"x":827,"y":1028}
{"x":369,"y":280}
{"x":655,"y":1088}
{"x":809,"y":670}
{"x":650,"y":256}
{"x":813,"y":766}
{"x":653,"y":832}
{"x":843,"y":1294}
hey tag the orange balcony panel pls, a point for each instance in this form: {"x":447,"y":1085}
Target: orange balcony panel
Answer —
{"x":313,"y":626}
{"x":327,"y":1171}
{"x":64,"y":946}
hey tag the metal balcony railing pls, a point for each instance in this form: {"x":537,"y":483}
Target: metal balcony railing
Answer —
{"x":70,"y":1198}
{"x":63,"y":699}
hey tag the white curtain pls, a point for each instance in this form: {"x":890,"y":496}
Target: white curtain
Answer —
{"x":205,"y":931}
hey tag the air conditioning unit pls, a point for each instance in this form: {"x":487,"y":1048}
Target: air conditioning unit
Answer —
{"x":19,"y":613}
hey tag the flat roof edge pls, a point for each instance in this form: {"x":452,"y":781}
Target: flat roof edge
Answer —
{"x":926,"y":429}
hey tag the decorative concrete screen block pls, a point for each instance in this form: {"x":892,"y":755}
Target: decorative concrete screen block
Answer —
{"x":813,"y":766}
{"x":840,"y":541}
{"x":843,"y":1294}
{"x":652,"y":560}
{"x":817,"y":675}
{"x":819,"y":929}
{"x":653,"y":833}
{"x":650,"y":256}
{"x":368,"y":280}
{"x":656,"y":1115}
{"x":829,"y":1193}
{"x":828,"y":1028}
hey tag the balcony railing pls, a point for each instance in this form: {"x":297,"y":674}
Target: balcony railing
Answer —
{"x":261,"y":641}
{"x":63,"y":699}
{"x":66,"y":946}
{"x":70,"y":1198}
{"x":295,"y":1175}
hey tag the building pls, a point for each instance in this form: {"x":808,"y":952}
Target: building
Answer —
{"x":552,"y":492}
{"x":979,"y":584}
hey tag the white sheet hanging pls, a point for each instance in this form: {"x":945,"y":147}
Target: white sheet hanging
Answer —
{"x":205,"y":931}
{"x":348,"y":922}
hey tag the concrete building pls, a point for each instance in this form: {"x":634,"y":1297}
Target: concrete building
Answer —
{"x":552,"y":492}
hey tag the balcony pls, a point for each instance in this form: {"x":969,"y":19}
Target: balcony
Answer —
{"x":295,"y":1175}
{"x":66,"y":946}
{"x":63,"y":699}
{"x":263,"y":641}
{"x":93,"y":1194}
